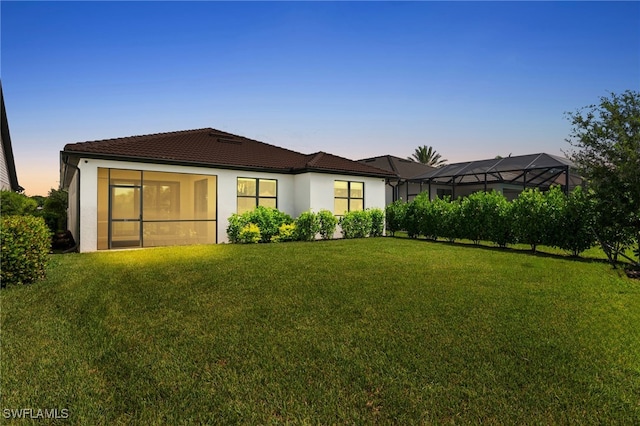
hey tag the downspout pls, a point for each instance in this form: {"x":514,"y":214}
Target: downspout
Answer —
{"x":76,"y":247}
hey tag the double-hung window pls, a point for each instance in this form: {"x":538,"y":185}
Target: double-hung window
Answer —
{"x":254,"y":192}
{"x":348,"y":197}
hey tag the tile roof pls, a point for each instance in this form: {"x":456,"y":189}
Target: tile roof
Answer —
{"x":211,"y":147}
{"x":403,"y":168}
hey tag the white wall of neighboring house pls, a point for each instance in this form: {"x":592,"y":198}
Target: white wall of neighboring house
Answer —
{"x":296,"y":193}
{"x":5,"y":183}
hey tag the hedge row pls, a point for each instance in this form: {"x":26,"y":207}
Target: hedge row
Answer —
{"x":266,"y":224}
{"x":535,"y":218}
{"x":25,"y":241}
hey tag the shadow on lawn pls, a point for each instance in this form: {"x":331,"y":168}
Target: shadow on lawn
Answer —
{"x":523,"y":251}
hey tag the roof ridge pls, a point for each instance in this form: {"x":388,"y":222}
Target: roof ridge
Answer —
{"x":147,"y":136}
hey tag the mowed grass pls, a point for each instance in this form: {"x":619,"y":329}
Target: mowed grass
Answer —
{"x":372,"y":331}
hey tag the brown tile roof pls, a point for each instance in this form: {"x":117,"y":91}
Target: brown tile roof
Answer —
{"x":210,"y":147}
{"x":403,"y":168}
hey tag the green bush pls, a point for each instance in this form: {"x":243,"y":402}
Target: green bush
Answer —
{"x":447,"y":217}
{"x":529,"y":218}
{"x":500,"y":220}
{"x":286,"y":232}
{"x":14,"y":204}
{"x":416,"y":218}
{"x":356,"y":224}
{"x":268,"y":220}
{"x":377,"y":222}
{"x":394,"y":216}
{"x":578,"y":220}
{"x":236,"y":223}
{"x":327,"y":222}
{"x":25,"y":242}
{"x":249,"y":234}
{"x":307,"y":226}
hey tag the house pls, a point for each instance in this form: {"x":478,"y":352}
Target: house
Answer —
{"x":8,"y":176}
{"x":181,"y":187}
{"x":403,"y":185}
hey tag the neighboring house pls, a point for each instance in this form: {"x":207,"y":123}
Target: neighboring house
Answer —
{"x":8,"y":176}
{"x":181,"y":187}
{"x":509,"y":175}
{"x":402,"y":186}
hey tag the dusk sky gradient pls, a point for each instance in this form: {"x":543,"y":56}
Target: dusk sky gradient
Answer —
{"x":356,"y":79}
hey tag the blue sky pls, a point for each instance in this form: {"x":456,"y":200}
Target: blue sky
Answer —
{"x":356,"y":79}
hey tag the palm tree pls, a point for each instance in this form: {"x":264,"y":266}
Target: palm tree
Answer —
{"x":427,"y":155}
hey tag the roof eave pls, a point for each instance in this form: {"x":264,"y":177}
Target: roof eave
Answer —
{"x":149,"y":160}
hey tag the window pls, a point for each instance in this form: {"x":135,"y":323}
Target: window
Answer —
{"x":254,"y":192}
{"x":348,"y":197}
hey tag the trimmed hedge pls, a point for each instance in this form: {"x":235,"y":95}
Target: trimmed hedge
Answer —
{"x":250,"y":227}
{"x":550,"y":218}
{"x":25,"y":241}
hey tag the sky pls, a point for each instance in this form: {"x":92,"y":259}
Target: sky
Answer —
{"x":355,"y":79}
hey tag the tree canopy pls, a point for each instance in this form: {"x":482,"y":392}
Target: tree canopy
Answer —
{"x":606,"y":148}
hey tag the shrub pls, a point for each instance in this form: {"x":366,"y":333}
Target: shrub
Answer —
{"x":394,"y":216}
{"x":446,"y":217}
{"x":12,"y":203}
{"x":249,"y":234}
{"x":327,"y":224}
{"x":268,"y":220}
{"x":528,"y":217}
{"x":377,"y":222}
{"x":286,"y":232}
{"x":236,"y":223}
{"x":25,"y":242}
{"x":578,"y":221}
{"x":356,"y":224}
{"x":500,"y":221}
{"x":307,"y":226}
{"x":415,"y":218}
{"x":475,"y":214}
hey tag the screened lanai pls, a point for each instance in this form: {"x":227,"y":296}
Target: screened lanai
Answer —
{"x":508,"y":175}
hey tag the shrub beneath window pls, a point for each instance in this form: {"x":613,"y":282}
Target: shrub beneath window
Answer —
{"x":307,"y":226}
{"x":268,"y":220}
{"x":356,"y":224}
{"x":249,"y":234}
{"x":286,"y":232}
{"x":25,"y":241}
{"x":236,"y":223}
{"x":327,"y":224}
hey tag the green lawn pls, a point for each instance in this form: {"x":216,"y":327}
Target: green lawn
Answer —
{"x":386,"y":331}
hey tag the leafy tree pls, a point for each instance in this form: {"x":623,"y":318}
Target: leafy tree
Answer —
{"x":427,"y":155}
{"x":606,"y":142}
